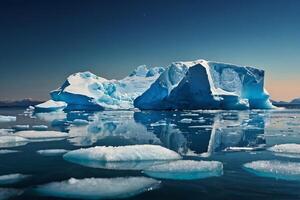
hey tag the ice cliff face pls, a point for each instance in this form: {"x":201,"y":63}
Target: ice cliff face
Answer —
{"x":85,"y":90}
{"x":203,"y":84}
{"x":197,"y":84}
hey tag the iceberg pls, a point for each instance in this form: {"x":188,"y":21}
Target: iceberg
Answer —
{"x":52,"y":152}
{"x":204,"y":84}
{"x":185,"y":170}
{"x":131,"y":157}
{"x":98,"y":188}
{"x":275,"y":169}
{"x":4,"y":118}
{"x":50,"y":106}
{"x":12,"y":178}
{"x":86,"y":91}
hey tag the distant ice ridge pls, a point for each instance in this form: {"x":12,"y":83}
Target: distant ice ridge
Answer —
{"x":203,"y":84}
{"x":98,"y":188}
{"x":85,"y":90}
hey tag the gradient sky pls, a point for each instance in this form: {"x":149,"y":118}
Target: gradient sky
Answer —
{"x":43,"y":41}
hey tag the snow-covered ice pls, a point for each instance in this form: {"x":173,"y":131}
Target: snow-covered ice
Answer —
{"x":275,"y":169}
{"x":185,"y":170}
{"x":41,"y":135}
{"x":52,"y":152}
{"x":98,"y":188}
{"x":203,"y":84}
{"x":4,"y":118}
{"x":12,"y":141}
{"x":50,"y":106}
{"x":121,"y":157}
{"x":12,"y":178}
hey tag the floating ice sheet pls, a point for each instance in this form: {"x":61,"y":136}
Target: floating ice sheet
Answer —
{"x":12,"y":141}
{"x":98,"y":188}
{"x":38,"y":135}
{"x":7,"y":193}
{"x":185,"y":170}
{"x":4,"y":118}
{"x":122,"y":157}
{"x":12,"y":178}
{"x":52,"y":152}
{"x":274,"y":169}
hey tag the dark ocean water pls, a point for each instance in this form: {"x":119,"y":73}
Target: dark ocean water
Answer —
{"x":196,"y":135}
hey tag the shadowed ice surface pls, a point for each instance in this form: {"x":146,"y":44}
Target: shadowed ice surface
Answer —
{"x":254,"y":146}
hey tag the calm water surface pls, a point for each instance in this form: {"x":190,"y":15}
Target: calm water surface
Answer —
{"x":196,"y":135}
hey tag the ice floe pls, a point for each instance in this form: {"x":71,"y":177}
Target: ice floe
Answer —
{"x":12,"y":141}
{"x":185,"y":170}
{"x":21,"y":127}
{"x":121,"y":157}
{"x":4,"y":118}
{"x":286,"y":148}
{"x":12,"y":178}
{"x":98,"y":188}
{"x":42,"y":135}
{"x":274,"y":169}
{"x":52,"y":152}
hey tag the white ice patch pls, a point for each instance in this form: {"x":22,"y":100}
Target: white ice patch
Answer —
{"x":121,"y":157}
{"x":185,"y":170}
{"x":274,"y":169}
{"x":98,"y":188}
{"x":12,"y":178}
{"x":50,"y":106}
{"x":4,"y":118}
{"x":42,"y":135}
{"x":52,"y":152}
{"x":286,"y":148}
{"x":7,"y":193}
{"x":186,"y":121}
{"x":7,"y":151}
{"x":12,"y":141}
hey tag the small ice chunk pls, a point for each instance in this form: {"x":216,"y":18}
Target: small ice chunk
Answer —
{"x":274,"y":169}
{"x":52,"y":152}
{"x":50,"y":106}
{"x":80,"y":122}
{"x":7,"y":193}
{"x":21,"y":127}
{"x":12,"y":178}
{"x":286,"y":148}
{"x":4,"y":118}
{"x":98,"y":188}
{"x":186,"y":121}
{"x":12,"y":141}
{"x":185,"y":170}
{"x":36,"y":135}
{"x":121,"y":157}
{"x":6,"y":151}
{"x":39,"y":127}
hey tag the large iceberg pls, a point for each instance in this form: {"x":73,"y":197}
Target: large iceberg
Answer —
{"x":203,"y":84}
{"x":85,"y":90}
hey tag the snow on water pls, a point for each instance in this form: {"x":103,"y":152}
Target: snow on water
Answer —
{"x":121,"y":157}
{"x":185,"y":170}
{"x":52,"y":152}
{"x":8,"y":193}
{"x":275,"y":169}
{"x":4,"y":118}
{"x":222,"y":86}
{"x":12,"y":178}
{"x":36,"y":135}
{"x":12,"y":141}
{"x":98,"y":188}
{"x":50,"y":106}
{"x":6,"y":151}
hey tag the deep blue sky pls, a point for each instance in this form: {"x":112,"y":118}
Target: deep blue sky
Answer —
{"x":42,"y":42}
